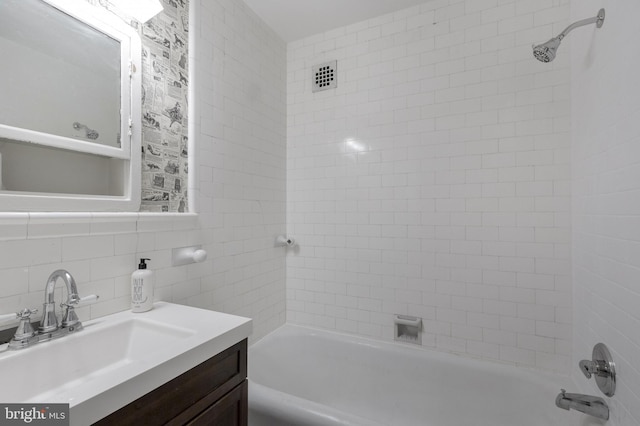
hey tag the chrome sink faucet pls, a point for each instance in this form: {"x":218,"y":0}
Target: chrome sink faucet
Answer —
{"x":50,"y":328}
{"x":49,"y":320}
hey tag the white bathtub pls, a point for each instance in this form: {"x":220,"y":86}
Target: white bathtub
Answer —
{"x":302,"y":377}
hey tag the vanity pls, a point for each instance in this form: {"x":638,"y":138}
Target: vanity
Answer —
{"x":214,"y":392}
{"x":172,"y":365}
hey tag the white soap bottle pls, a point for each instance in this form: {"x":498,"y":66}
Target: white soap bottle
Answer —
{"x":142,"y":281}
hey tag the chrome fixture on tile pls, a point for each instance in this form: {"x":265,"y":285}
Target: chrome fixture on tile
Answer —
{"x":591,"y":405}
{"x":186,"y":255}
{"x":602,"y":368}
{"x":546,"y":52}
{"x":284,"y":241}
{"x":49,"y":328}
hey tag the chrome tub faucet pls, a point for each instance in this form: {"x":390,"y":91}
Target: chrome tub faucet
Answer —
{"x":591,"y":405}
{"x":603,"y":369}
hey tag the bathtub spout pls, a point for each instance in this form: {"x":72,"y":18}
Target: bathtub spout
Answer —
{"x":591,"y":405}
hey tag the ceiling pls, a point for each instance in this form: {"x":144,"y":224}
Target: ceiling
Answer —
{"x":296,"y":19}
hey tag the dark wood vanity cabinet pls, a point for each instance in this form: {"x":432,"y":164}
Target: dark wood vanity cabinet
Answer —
{"x":213,"y":393}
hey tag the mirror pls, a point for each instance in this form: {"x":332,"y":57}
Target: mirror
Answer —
{"x":70,"y":91}
{"x":45,"y":69}
{"x":67,"y":75}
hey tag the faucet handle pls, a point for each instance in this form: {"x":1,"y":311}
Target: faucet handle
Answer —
{"x":602,"y":368}
{"x":88,"y":299}
{"x":26,"y":313}
{"x":70,"y":318}
{"x":25,"y":330}
{"x":588,"y":368}
{"x":75,"y":301}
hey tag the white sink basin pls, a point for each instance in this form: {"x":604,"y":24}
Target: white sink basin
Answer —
{"x":62,"y":364}
{"x":116,"y":359}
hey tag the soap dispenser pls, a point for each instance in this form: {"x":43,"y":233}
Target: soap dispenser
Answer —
{"x":142,"y":281}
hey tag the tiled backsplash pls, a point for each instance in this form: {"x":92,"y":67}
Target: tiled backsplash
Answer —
{"x":434,"y":181}
{"x":99,"y":250}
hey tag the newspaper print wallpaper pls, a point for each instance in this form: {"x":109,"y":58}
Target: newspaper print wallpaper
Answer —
{"x":165,"y":82}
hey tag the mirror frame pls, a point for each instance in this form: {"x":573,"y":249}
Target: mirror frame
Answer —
{"x":130,"y":123}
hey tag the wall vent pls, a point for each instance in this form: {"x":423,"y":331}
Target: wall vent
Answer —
{"x":325,"y":76}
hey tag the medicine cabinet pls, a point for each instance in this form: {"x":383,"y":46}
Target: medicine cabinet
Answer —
{"x":70,"y":91}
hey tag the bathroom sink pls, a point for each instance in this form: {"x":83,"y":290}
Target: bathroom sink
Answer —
{"x":63,"y":363}
{"x":116,"y":359}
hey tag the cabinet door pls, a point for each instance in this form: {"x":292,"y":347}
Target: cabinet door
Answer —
{"x":230,"y":410}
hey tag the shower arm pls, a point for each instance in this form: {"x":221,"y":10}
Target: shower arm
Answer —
{"x":598,"y":20}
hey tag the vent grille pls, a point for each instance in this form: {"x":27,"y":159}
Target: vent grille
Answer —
{"x":325,"y":76}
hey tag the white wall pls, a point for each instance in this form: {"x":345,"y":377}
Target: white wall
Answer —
{"x":241,"y":80}
{"x":434,"y":181}
{"x":239,"y":73}
{"x":606,"y":207}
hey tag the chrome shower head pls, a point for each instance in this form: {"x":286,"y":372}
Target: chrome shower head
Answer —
{"x":546,"y":52}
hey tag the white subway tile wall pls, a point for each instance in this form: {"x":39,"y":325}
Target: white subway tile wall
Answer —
{"x":239,"y":69}
{"x":241,"y":123}
{"x":606,"y":207}
{"x":435,"y":180}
